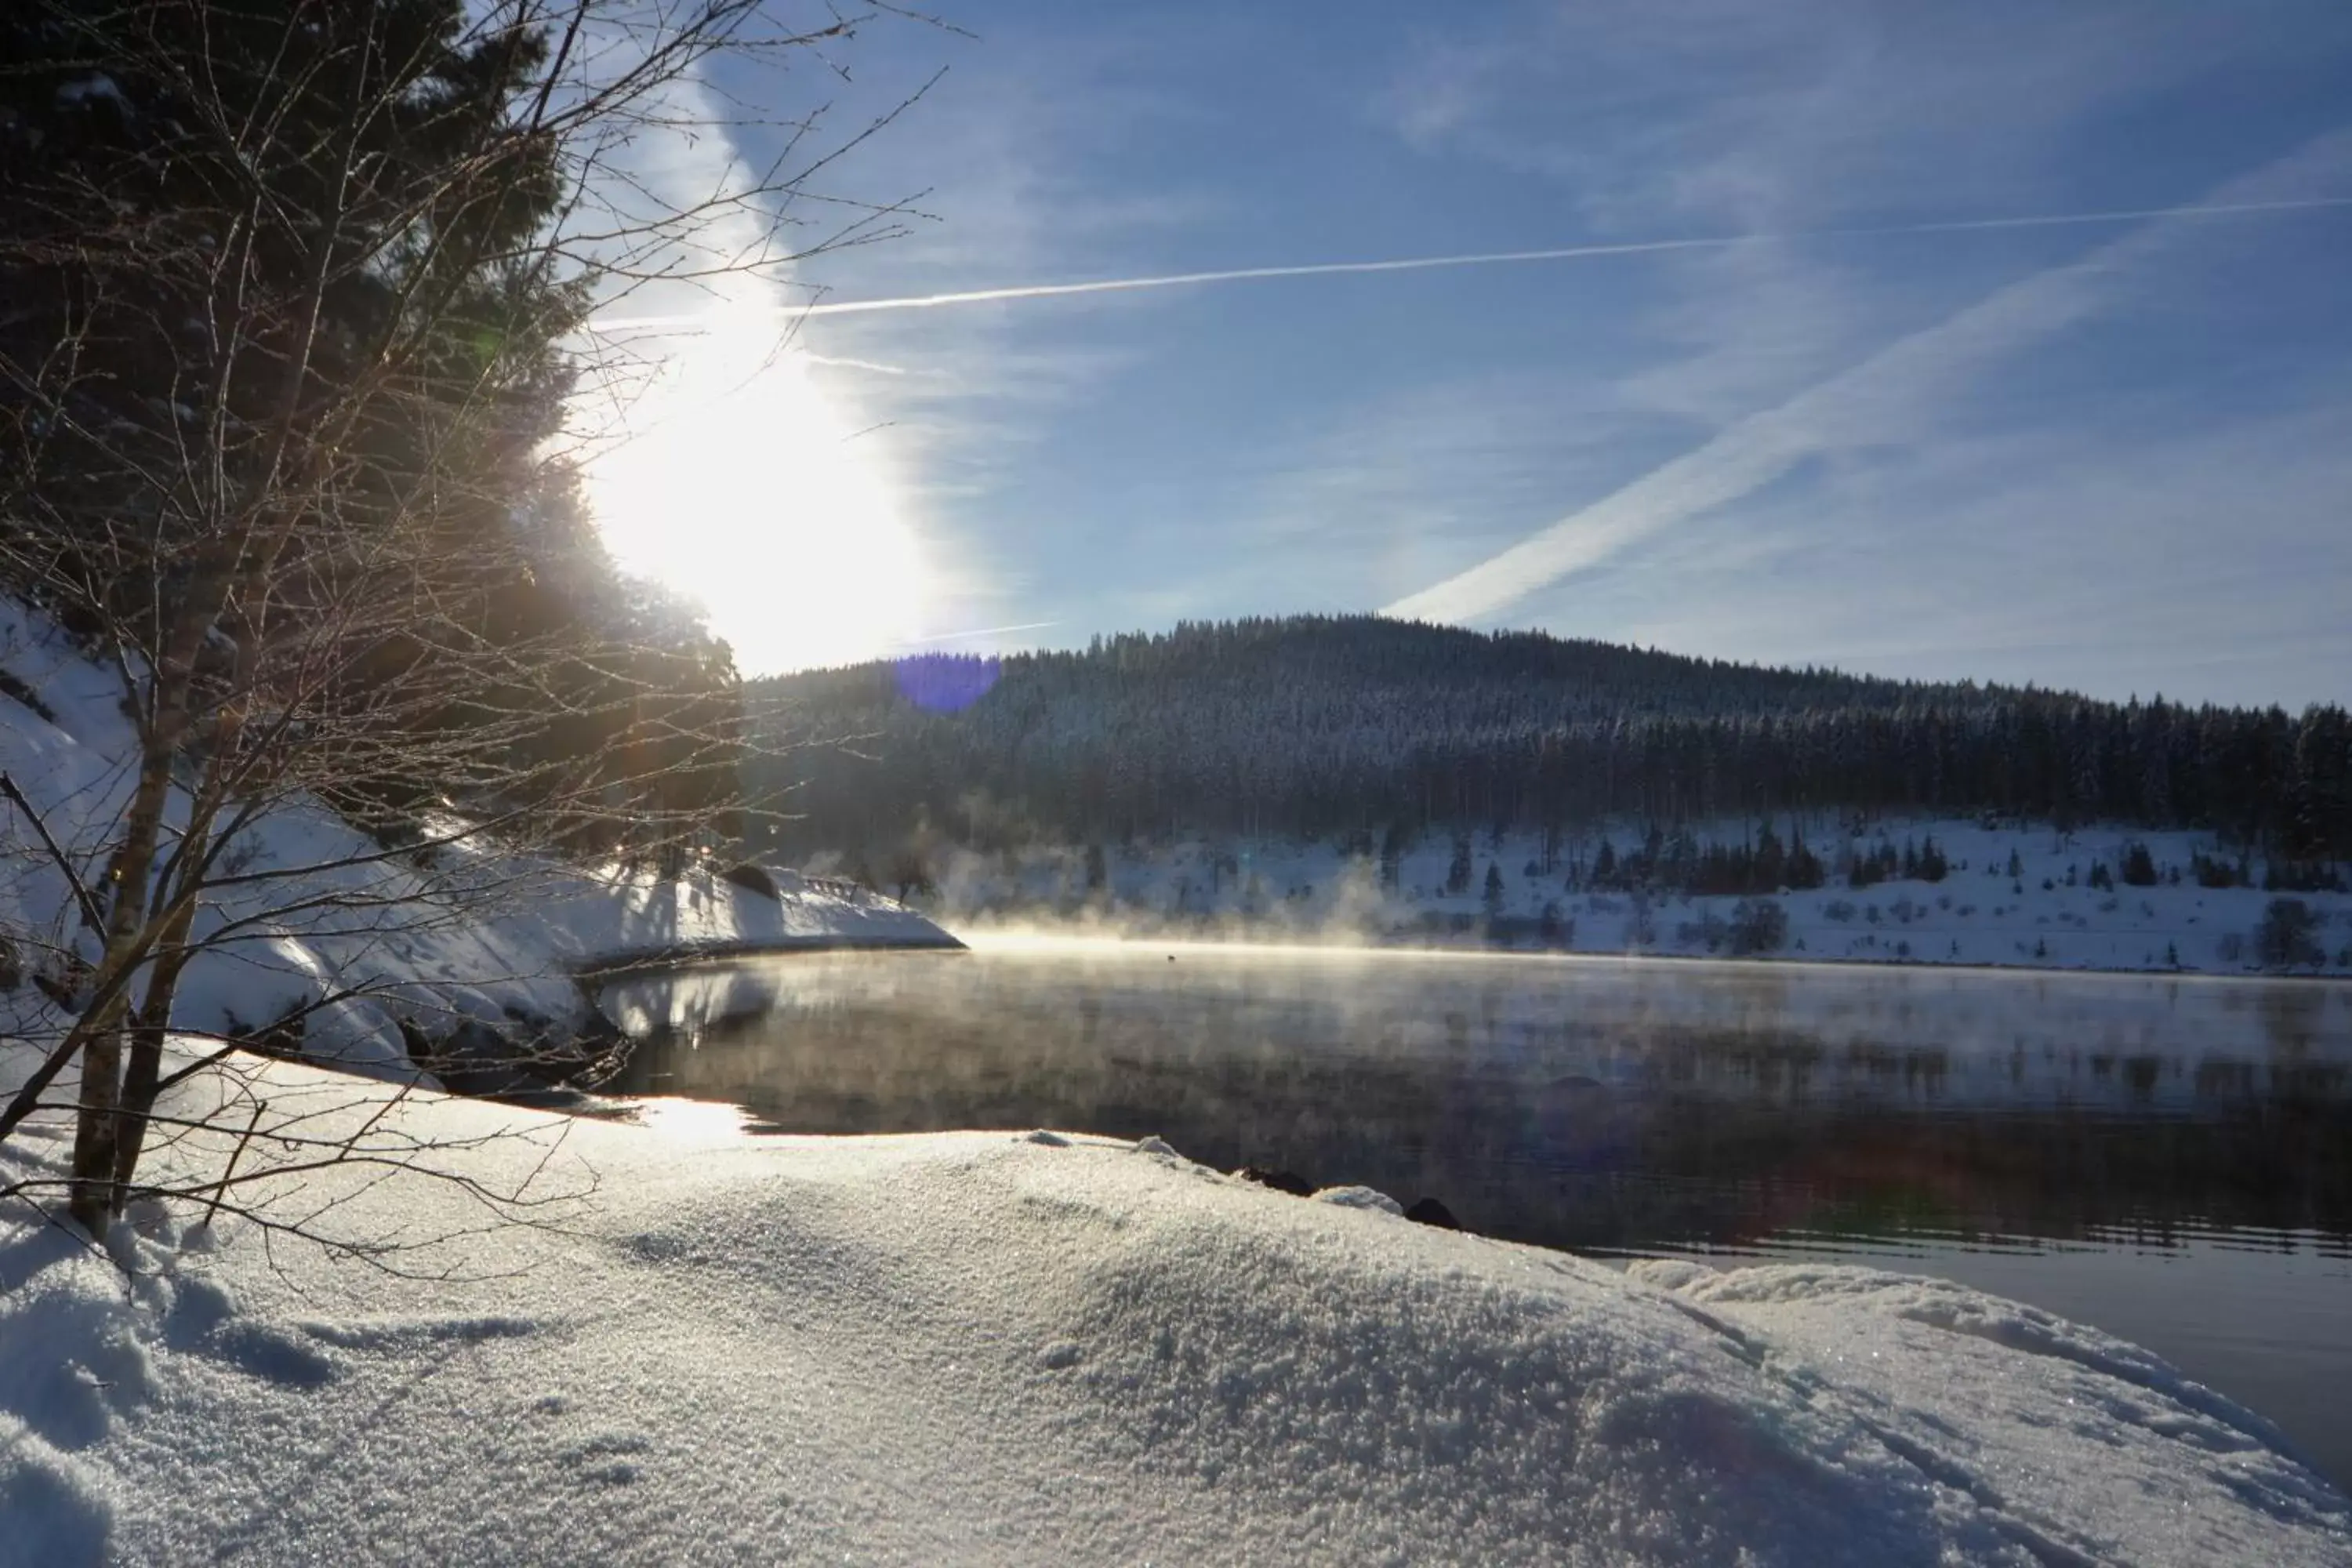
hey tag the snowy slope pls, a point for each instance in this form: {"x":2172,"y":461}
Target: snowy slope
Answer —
{"x":466,"y":935}
{"x":998,"y":1348}
{"x":1978,"y":914}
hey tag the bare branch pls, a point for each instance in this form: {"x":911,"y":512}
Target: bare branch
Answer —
{"x":90,"y":917}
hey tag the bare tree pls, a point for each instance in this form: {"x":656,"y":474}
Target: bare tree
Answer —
{"x":293,"y":343}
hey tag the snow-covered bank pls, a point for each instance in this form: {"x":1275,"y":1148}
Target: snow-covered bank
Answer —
{"x":1009,"y":1348}
{"x":2013,"y":894}
{"x":367,"y":945}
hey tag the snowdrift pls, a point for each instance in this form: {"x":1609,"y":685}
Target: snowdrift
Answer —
{"x":996,"y":1347}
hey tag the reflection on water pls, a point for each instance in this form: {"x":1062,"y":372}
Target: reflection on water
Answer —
{"x":2050,"y":1136}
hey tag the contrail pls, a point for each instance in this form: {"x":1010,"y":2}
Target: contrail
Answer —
{"x":1881,"y":398}
{"x":981,"y":632}
{"x":1479,"y":258}
{"x":843,"y":362}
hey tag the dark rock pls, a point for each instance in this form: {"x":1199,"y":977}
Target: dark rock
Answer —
{"x":1429,"y":1211}
{"x":281,"y":1038}
{"x":28,"y":696}
{"x":471,"y":1057}
{"x":751,"y":879}
{"x":420,"y":1046}
{"x":1298,"y":1186}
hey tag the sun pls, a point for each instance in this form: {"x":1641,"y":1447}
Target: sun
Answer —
{"x":740,"y":481}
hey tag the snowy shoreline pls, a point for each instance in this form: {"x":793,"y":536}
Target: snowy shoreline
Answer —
{"x":997,"y":1347}
{"x":631,"y":964}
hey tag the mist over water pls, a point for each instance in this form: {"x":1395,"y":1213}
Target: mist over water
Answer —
{"x":2167,"y":1157}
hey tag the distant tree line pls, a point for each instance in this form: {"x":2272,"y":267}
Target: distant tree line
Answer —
{"x":1332,"y":726}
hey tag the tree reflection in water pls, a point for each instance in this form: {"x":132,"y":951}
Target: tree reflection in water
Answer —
{"x":1594,"y":1105}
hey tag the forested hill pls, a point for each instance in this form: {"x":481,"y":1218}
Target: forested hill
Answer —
{"x":1322,"y":725}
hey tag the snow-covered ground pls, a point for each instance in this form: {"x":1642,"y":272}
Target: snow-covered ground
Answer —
{"x":998,"y":1347}
{"x":460,"y":934}
{"x":2047,"y":915}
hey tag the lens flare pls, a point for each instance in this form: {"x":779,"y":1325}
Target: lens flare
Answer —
{"x":946,"y":682}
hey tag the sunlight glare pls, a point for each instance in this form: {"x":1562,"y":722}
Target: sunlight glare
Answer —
{"x":741,"y":483}
{"x":691,"y":1121}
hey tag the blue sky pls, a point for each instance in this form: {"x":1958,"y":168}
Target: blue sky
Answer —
{"x":2113,"y":455}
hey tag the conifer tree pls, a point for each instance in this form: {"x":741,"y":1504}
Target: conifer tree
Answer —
{"x":1771,"y":865}
{"x":1457,"y":870}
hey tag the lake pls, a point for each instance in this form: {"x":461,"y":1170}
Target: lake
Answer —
{"x":2168,"y":1159}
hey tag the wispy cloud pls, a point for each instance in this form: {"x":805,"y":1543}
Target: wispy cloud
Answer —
{"x":1397,"y":481}
{"x":1806,"y":111}
{"x":1883,"y":398}
{"x":2031,"y":553}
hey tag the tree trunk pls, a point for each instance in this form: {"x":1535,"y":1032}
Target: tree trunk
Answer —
{"x":90,"y":1198}
{"x":171,"y":950}
{"x":146,"y":1061}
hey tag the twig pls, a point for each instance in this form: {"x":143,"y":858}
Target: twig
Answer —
{"x":173,"y":1078}
{"x":89,"y":915}
{"x":229,"y":1170}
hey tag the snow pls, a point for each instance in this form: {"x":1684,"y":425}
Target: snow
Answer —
{"x":1358,"y":1198}
{"x":1274,"y":889}
{"x":467,"y":933}
{"x":992,"y":1347}
{"x":97,"y":85}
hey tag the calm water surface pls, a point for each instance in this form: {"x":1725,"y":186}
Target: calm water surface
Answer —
{"x":2167,"y":1159}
